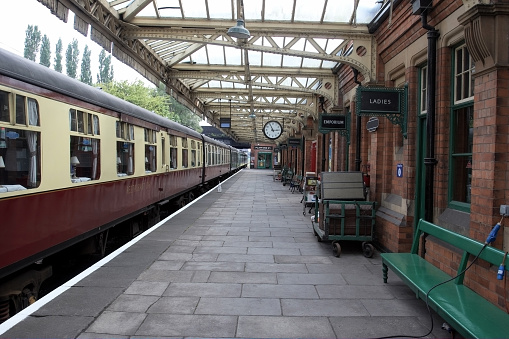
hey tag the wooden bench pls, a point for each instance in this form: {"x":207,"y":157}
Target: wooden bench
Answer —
{"x":467,"y":312}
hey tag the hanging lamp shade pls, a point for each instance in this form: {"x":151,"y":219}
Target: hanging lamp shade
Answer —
{"x":239,"y":31}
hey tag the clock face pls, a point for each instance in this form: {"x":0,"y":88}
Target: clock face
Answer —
{"x":272,"y":129}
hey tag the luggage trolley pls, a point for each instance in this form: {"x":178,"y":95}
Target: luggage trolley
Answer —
{"x":341,"y":212}
{"x":309,"y":192}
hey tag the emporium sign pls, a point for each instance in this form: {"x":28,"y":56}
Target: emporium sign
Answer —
{"x":332,"y":122}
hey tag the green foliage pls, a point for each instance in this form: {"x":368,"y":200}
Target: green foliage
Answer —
{"x":58,"y":56}
{"x":32,"y":42}
{"x":86,"y":73}
{"x":155,"y":100}
{"x":45,"y":58}
{"x":72,"y":59}
{"x":105,"y":74}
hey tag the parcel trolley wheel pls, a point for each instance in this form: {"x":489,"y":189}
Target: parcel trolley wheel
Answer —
{"x":336,"y":249}
{"x":367,"y":249}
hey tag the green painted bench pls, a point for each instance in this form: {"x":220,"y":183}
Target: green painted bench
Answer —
{"x":467,"y":312}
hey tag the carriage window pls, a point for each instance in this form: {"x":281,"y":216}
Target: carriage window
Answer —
{"x":185,"y":160}
{"x":199,"y":154}
{"x":83,"y":122}
{"x":20,"y":153}
{"x":150,"y":151}
{"x":4,"y":106}
{"x":125,"y":149}
{"x":173,"y":152}
{"x":20,"y":164}
{"x":85,"y":159}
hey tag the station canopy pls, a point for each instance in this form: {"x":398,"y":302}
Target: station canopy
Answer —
{"x":277,"y":65}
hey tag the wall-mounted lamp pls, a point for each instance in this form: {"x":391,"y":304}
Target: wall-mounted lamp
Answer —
{"x":74,"y":162}
{"x":2,"y":163}
{"x":239,"y":31}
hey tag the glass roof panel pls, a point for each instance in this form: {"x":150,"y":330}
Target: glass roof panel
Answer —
{"x":233,"y":56}
{"x":253,"y":9}
{"x":194,"y":8}
{"x":270,"y":59}
{"x":220,"y":9}
{"x":311,"y":63}
{"x":216,"y":55}
{"x":367,"y":10}
{"x":338,"y":11}
{"x":255,"y":58}
{"x":278,"y":10}
{"x":167,"y":8}
{"x":200,"y":56}
{"x":149,"y":11}
{"x":306,"y":10}
{"x":291,"y":61}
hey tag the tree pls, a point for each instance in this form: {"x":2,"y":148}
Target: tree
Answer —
{"x":86,"y":73}
{"x":58,"y":56}
{"x":45,"y":58}
{"x":72,"y":59}
{"x":32,"y":42}
{"x":105,"y":74}
{"x":185,"y":116}
{"x":140,"y":95}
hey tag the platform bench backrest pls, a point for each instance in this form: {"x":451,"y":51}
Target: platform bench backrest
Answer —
{"x":467,"y":245}
{"x":342,"y":186}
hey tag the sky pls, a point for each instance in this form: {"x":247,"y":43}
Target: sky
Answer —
{"x":18,"y":14}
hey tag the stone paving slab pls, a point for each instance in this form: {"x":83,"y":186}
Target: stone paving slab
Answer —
{"x":241,"y":263}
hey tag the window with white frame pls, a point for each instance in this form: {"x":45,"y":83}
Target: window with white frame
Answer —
{"x":84,"y":146}
{"x":173,"y":152}
{"x":150,"y":150}
{"x":185,"y":153}
{"x":461,"y":130}
{"x":20,"y":139}
{"x":125,"y":149}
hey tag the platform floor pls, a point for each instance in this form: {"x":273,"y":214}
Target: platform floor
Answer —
{"x":240,"y":263}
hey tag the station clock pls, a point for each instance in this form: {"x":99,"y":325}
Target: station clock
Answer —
{"x":272,"y":129}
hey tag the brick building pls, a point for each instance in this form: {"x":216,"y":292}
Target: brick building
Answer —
{"x":447,"y":159}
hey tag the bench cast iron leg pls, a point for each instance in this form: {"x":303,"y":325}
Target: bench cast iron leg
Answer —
{"x":384,"y":271}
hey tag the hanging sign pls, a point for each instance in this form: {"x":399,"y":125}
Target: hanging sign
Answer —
{"x":225,"y":122}
{"x":331,"y":123}
{"x":294,"y":142}
{"x":379,"y":100}
{"x":372,"y":124}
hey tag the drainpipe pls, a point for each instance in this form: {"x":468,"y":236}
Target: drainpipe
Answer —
{"x":430,"y":161}
{"x":357,"y":127}
{"x":322,"y":102}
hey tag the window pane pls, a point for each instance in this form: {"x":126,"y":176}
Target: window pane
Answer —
{"x":81,"y":122}
{"x":20,"y":110}
{"x":125,"y":158}
{"x":150,"y":158}
{"x":4,"y":106}
{"x":90,"y":130}
{"x":462,"y":178}
{"x":173,"y":158}
{"x":73,"y":120}
{"x":184,"y":158}
{"x":33,"y":112}
{"x":463,"y":126}
{"x":21,"y":155}
{"x":86,"y":164}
